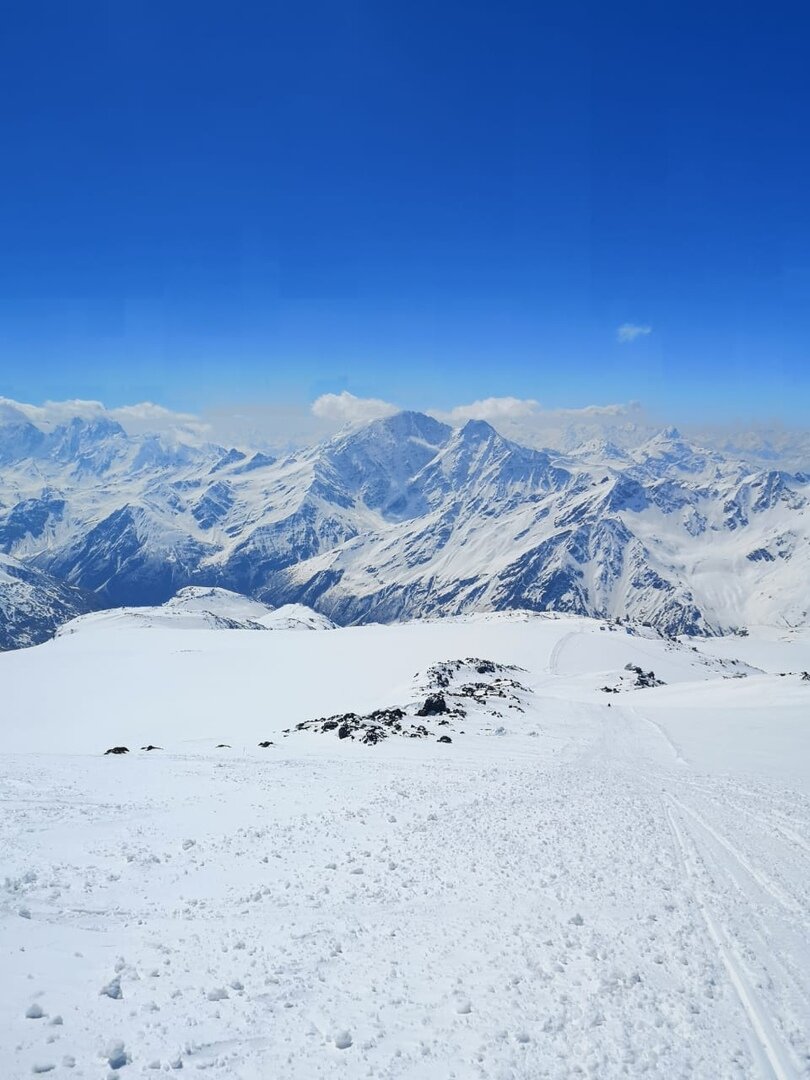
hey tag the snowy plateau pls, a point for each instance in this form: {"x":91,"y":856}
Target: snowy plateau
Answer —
{"x":414,"y":755}
{"x":507,"y":845}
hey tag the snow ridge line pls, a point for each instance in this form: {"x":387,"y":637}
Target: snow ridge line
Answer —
{"x":776,"y":1061}
{"x":679,"y":758}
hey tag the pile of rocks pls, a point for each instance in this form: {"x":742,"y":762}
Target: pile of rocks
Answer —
{"x":449,"y":692}
{"x":643,"y":680}
{"x":370,"y":729}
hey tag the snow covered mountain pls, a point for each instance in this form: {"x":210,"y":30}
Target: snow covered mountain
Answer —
{"x":33,"y":604}
{"x":196,"y":608}
{"x":408,"y":517}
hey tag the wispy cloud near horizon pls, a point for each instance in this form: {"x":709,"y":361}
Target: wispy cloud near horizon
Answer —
{"x":285,"y":427}
{"x":628,"y":332}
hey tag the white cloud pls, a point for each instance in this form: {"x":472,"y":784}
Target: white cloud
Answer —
{"x":525,"y":421}
{"x":630,"y":331}
{"x":345,"y":408}
{"x":51,"y":413}
{"x":142,"y":418}
{"x":491,"y":409}
{"x":147,"y":417}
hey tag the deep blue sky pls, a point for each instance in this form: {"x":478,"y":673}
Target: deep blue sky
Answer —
{"x":429,"y":203}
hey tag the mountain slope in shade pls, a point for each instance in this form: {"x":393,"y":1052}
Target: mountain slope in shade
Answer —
{"x":407,"y":517}
{"x":33,"y":604}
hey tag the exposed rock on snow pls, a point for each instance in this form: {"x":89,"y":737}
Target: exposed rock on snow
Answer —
{"x":370,"y":729}
{"x":435,"y":705}
{"x":375,"y":726}
{"x":643,"y":680}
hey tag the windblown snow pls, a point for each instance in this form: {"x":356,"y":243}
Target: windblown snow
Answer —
{"x":522,"y":874}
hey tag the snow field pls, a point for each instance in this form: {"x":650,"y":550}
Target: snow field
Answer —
{"x":596,"y":892}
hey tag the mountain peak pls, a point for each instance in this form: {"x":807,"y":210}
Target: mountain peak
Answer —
{"x":478,"y":430}
{"x":409,"y":424}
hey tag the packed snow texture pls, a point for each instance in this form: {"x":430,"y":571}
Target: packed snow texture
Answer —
{"x":587,"y":885}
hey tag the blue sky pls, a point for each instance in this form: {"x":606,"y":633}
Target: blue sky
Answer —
{"x":431,"y":204}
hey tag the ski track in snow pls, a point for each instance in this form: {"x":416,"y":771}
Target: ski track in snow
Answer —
{"x":587,"y":902}
{"x":774,"y":1059}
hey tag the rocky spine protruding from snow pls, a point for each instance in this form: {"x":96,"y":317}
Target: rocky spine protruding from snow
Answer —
{"x":472,"y":691}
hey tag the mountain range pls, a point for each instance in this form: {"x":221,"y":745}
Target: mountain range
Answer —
{"x":405,"y":517}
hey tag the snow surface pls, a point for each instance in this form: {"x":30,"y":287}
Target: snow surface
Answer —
{"x":602,"y":885}
{"x":219,"y":601}
{"x":196,"y":608}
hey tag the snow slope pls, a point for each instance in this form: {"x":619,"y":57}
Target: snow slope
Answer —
{"x":195,"y":608}
{"x":223,"y":602}
{"x":589,"y":884}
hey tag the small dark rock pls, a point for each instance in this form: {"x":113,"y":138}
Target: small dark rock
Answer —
{"x":151,"y":747}
{"x":266,"y":743}
{"x":418,"y":731}
{"x":444,"y":738}
{"x":223,"y":746}
{"x":117,"y":750}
